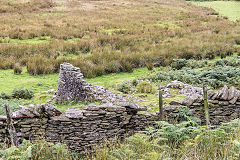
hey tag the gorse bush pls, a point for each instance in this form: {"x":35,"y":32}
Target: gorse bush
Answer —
{"x":125,"y":87}
{"x":229,"y":61}
{"x":18,"y":93}
{"x":5,"y":96}
{"x":180,"y":63}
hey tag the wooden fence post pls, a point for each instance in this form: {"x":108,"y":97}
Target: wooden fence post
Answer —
{"x":205,"y":97}
{"x":160,"y":104}
{"x":11,"y":128}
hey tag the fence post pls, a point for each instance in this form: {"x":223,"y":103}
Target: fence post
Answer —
{"x":160,"y":104}
{"x":11,"y":128}
{"x":205,"y":97}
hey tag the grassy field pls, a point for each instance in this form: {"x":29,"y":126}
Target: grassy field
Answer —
{"x":109,"y":37}
{"x":40,"y":83}
{"x":9,"y":81}
{"x":90,"y":35}
{"x":230,"y":9}
{"x":116,"y":43}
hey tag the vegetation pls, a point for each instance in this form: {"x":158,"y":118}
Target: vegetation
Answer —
{"x":214,"y":73}
{"x":22,"y":93}
{"x":214,"y":77}
{"x":39,"y":150}
{"x":13,"y":104}
{"x":102,"y":43}
{"x":185,"y":140}
{"x":18,"y":93}
{"x":173,"y":40}
{"x":230,"y":9}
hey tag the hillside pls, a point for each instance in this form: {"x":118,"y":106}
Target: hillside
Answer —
{"x":125,"y":56}
{"x":102,"y":37}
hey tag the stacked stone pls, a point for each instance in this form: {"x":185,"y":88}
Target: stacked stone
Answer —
{"x":72,"y":87}
{"x":83,"y":129}
{"x":79,"y":129}
{"x":139,"y":122}
{"x":30,"y":122}
{"x":3,"y":132}
{"x":224,"y":105}
{"x":31,"y":128}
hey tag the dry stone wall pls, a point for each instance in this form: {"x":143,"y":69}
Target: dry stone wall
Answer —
{"x":224,"y":105}
{"x":79,"y":129}
{"x":72,"y":87}
{"x":94,"y":124}
{"x":115,"y":118}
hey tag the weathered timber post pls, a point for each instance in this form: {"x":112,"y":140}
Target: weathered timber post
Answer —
{"x":160,"y":104}
{"x":205,"y":98}
{"x":11,"y":128}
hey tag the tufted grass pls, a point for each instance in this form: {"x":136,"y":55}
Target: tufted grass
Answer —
{"x":118,"y":35}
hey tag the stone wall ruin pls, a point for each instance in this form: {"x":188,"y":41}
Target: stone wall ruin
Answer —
{"x":116,"y":117}
{"x":79,"y":129}
{"x":224,"y":105}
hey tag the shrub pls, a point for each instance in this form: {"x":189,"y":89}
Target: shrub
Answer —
{"x":215,"y":77}
{"x":149,"y":66}
{"x":223,"y":142}
{"x":145,"y":87}
{"x":22,"y":93}
{"x":178,"y":63}
{"x":125,"y":87}
{"x":5,"y":96}
{"x":40,"y":65}
{"x":230,"y":61}
{"x":184,"y":114}
{"x":17,"y":69}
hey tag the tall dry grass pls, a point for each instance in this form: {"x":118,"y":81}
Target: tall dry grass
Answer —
{"x":115,"y":36}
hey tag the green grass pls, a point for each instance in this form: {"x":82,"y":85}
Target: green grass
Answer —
{"x":231,"y":9}
{"x":111,"y":80}
{"x":9,"y":81}
{"x":168,"y":24}
{"x":40,"y":83}
{"x":36,"y":40}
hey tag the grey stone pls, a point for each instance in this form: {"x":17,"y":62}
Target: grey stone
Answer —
{"x":189,"y":100}
{"x":231,"y":92}
{"x":73,"y":113}
{"x":224,"y":94}
{"x":72,"y":87}
{"x":235,"y":97}
{"x":175,"y":85}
